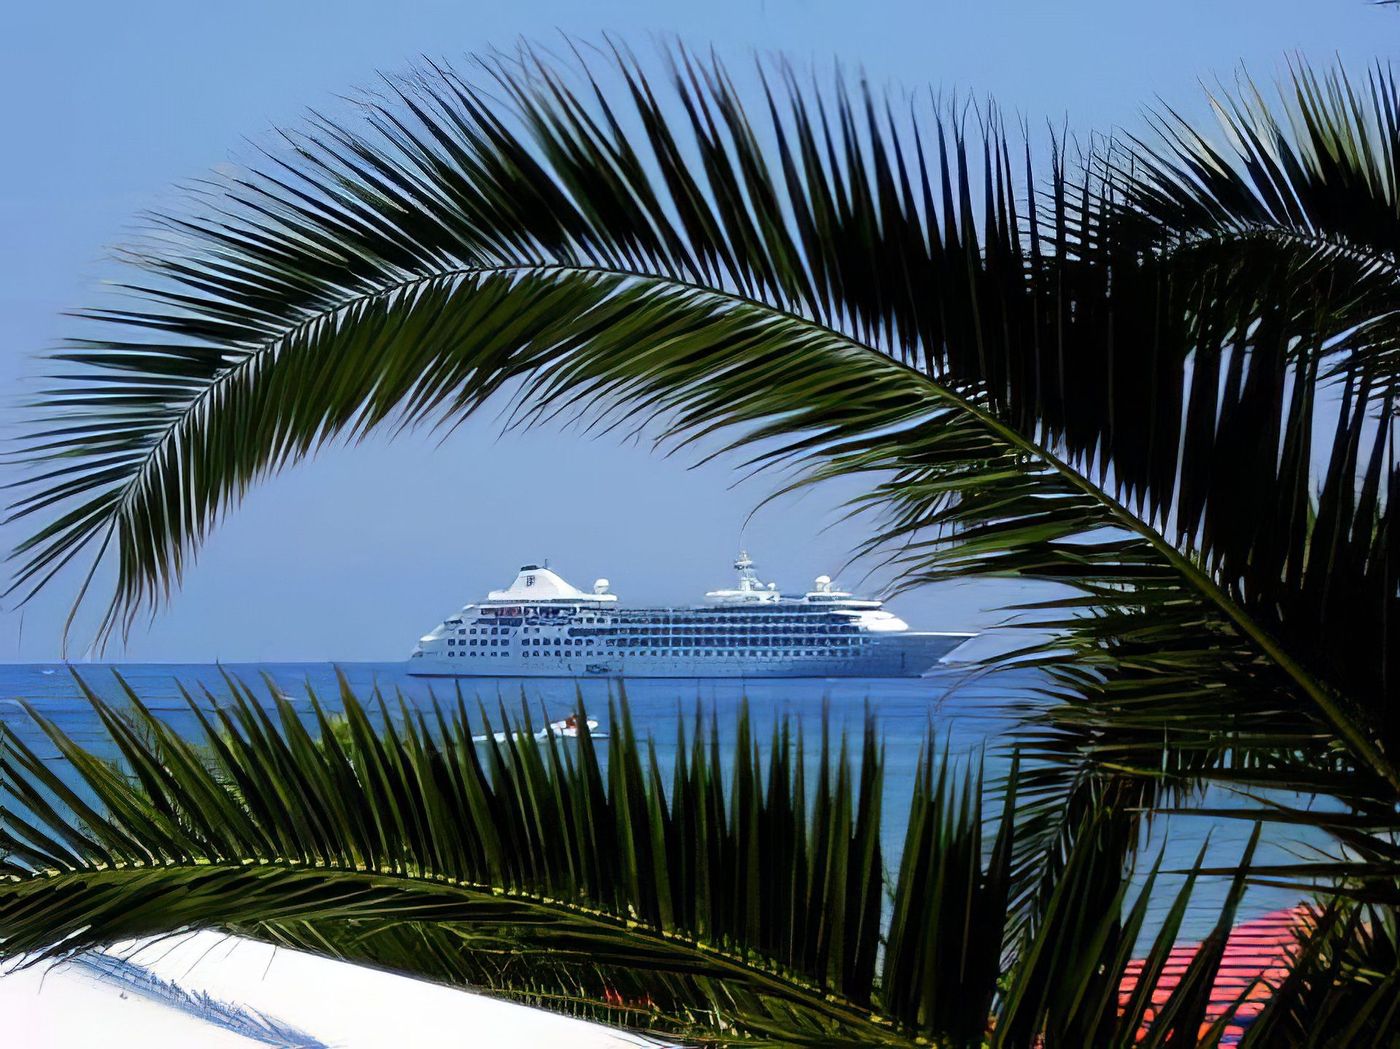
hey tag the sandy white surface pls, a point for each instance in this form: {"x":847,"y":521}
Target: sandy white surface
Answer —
{"x":337,"y":1003}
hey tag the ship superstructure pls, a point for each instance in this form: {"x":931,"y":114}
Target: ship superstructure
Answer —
{"x":541,"y":626}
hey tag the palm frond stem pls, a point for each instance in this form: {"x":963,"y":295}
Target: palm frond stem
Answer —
{"x":1327,"y":703}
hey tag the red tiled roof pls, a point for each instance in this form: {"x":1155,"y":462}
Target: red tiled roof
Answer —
{"x":1256,"y":952}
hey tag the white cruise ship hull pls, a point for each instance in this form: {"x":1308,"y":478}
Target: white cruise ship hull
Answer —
{"x":541,"y":626}
{"x":902,"y":654}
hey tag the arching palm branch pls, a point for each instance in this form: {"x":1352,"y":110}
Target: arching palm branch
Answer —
{"x":1166,"y":379}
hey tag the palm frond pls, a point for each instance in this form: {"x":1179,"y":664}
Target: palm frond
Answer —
{"x":739,"y":906}
{"x":1341,"y":986}
{"x":749,"y":910}
{"x":403,"y":268}
{"x":1102,"y":374}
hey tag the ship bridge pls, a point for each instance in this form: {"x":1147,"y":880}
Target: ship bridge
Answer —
{"x":750,"y":590}
{"x":537,"y":583}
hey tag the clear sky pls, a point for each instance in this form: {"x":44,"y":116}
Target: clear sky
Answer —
{"x":353,"y":555}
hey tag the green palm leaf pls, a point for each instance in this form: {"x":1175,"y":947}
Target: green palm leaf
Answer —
{"x":748,"y":911}
{"x":1340,"y":990}
{"x":1114,"y":377}
{"x":715,"y":910}
{"x":739,"y":907}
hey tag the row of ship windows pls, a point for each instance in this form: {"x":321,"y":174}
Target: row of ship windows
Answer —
{"x":759,"y":652}
{"x":734,"y":642}
{"x":708,"y":631}
{"x":816,"y":614}
{"x":624,"y":623}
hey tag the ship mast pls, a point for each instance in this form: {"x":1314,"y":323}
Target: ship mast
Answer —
{"x":748,"y":578}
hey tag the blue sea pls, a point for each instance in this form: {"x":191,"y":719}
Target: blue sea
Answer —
{"x":966,"y":713}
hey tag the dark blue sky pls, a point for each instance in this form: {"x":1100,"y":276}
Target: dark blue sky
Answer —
{"x":352,"y":555}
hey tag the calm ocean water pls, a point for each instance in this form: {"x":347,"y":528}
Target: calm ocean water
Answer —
{"x":965,"y":712}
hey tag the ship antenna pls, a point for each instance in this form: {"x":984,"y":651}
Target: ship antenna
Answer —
{"x":748,"y":579}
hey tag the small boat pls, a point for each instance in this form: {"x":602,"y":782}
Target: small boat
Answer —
{"x":567,"y":728}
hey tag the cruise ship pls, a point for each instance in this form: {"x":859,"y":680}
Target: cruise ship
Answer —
{"x":541,"y":626}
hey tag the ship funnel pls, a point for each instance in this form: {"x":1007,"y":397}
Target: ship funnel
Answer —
{"x":600,"y":586}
